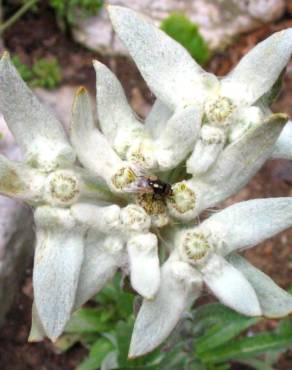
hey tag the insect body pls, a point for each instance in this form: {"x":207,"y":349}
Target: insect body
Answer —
{"x":159,"y":187}
{"x":153,"y":185}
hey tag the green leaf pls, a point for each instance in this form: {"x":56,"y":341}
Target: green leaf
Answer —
{"x":98,"y":352}
{"x":251,"y":346}
{"x":123,"y":333}
{"x":88,"y":320}
{"x":256,"y":364}
{"x":174,"y":358}
{"x":180,"y":28}
{"x":154,"y":367}
{"x":215,"y":324}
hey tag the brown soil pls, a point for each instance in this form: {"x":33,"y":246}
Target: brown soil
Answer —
{"x":17,"y":354}
{"x":37,"y":35}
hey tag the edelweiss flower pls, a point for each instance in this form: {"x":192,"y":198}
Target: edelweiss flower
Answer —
{"x":85,"y":228}
{"x":140,"y":143}
{"x":238,"y":131}
{"x":94,"y":219}
{"x":206,"y":253}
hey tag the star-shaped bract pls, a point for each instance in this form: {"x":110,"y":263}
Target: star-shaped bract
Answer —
{"x":207,"y":254}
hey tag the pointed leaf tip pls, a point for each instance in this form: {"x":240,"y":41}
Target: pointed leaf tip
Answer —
{"x":96,"y":63}
{"x":278,"y":118}
{"x":168,"y":69}
{"x":81,"y":90}
{"x":5,"y":55}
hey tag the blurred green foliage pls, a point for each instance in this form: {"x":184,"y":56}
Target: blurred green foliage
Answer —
{"x":180,"y":28}
{"x":68,"y":11}
{"x":209,"y":339}
{"x":45,"y":72}
{"x":24,"y":71}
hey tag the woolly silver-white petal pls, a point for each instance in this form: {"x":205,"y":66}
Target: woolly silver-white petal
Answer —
{"x":248,"y":223}
{"x":157,"y":318}
{"x":283,"y":146}
{"x":238,"y":162}
{"x":93,"y":150}
{"x":57,"y":263}
{"x":144,"y":264}
{"x":102,"y":256}
{"x":259,"y":69}
{"x":275,"y":302}
{"x":230,"y":286}
{"x":235,"y":166}
{"x":245,"y":119}
{"x":157,"y":118}
{"x":20,"y":181}
{"x":177,"y":139}
{"x":206,"y":151}
{"x":101,"y":218}
{"x":171,"y":73}
{"x":36,"y":130}
{"x":117,"y":120}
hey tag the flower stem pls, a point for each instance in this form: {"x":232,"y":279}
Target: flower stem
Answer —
{"x":25,"y":7}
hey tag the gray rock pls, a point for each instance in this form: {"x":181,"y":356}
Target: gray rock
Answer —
{"x":220,"y":21}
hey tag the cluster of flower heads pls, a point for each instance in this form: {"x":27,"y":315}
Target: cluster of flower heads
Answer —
{"x":96,"y":212}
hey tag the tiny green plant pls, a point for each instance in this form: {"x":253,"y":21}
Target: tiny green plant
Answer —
{"x":45,"y":72}
{"x":180,"y":28}
{"x":24,"y":71}
{"x":69,"y":10}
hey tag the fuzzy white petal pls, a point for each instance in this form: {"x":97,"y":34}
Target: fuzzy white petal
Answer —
{"x":283,"y":146}
{"x":275,"y":301}
{"x":178,"y":137}
{"x":156,"y":120}
{"x":206,"y":151}
{"x":230,"y":286}
{"x":245,"y":119}
{"x":101,"y":218}
{"x":101,"y":260}
{"x":36,"y":130}
{"x":248,"y":223}
{"x":157,"y":318}
{"x":116,"y":118}
{"x":20,"y":181}
{"x":57,"y":263}
{"x":144,"y":264}
{"x":93,"y":150}
{"x":166,"y":66}
{"x":238,"y":162}
{"x":259,"y":69}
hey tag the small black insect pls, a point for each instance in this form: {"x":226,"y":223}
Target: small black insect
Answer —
{"x":152,"y":184}
{"x":146,"y":183}
{"x":159,"y":187}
